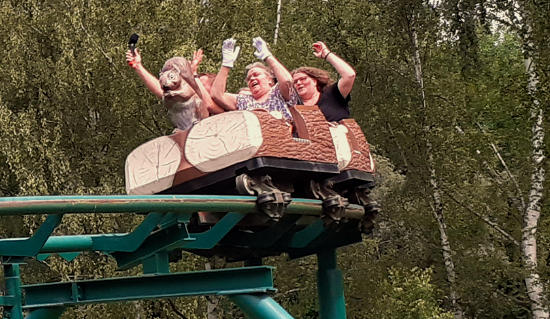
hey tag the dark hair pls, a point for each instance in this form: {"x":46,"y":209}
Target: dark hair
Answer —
{"x":321,"y":76}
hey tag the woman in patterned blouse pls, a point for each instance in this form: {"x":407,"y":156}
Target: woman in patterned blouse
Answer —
{"x":265,"y":92}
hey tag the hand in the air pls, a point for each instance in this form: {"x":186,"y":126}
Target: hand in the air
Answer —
{"x":133,"y":59}
{"x":229,"y":52}
{"x":197,"y":59}
{"x":320,"y":50}
{"x":262,"y":52}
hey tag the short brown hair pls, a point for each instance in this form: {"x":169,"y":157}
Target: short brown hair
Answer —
{"x":321,"y":76}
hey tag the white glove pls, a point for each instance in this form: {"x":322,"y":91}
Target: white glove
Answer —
{"x":229,"y":52}
{"x":262,"y":52}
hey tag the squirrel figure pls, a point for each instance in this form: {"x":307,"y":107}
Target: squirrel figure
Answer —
{"x":179,"y":93}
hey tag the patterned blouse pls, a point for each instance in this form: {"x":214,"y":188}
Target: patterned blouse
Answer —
{"x":275,"y":103}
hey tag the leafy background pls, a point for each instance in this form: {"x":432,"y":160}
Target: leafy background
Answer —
{"x":71,"y":110}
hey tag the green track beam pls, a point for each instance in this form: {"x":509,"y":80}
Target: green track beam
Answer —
{"x":209,"y":239}
{"x":35,"y":205}
{"x":260,"y":306}
{"x":177,"y":236}
{"x":130,"y":241}
{"x":208,"y":282}
{"x":330,"y":287}
{"x":125,"y":242}
{"x":30,"y":246}
{"x":123,"y":203}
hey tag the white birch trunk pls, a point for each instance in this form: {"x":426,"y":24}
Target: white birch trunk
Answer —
{"x":445,"y":245}
{"x":436,"y":192}
{"x":276,"y":35}
{"x":531,"y":215}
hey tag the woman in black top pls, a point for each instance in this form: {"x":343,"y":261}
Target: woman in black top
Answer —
{"x":315,"y":87}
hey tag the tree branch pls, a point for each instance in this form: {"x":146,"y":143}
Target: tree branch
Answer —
{"x":175,"y":309}
{"x":512,"y":178}
{"x":396,"y":141}
{"x":483,"y":218}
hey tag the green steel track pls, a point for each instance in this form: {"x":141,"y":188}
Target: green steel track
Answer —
{"x":170,"y":224}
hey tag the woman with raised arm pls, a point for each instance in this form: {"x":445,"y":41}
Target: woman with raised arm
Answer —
{"x":315,"y":87}
{"x":265,"y":92}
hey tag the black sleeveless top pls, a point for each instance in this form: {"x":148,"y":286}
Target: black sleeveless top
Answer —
{"x":333,"y":105}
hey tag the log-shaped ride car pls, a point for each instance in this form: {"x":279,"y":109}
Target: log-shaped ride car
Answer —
{"x":255,"y":153}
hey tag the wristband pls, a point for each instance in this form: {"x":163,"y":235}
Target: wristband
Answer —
{"x":326,"y":56}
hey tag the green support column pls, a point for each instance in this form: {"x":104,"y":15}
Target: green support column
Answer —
{"x":259,"y":306}
{"x":46,"y":313}
{"x":330,"y":287}
{"x":159,"y":263}
{"x":12,"y":300}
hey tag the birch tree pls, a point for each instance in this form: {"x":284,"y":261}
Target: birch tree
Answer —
{"x":277,"y":24}
{"x":433,"y":180}
{"x":532,"y":211}
{"x":517,"y":17}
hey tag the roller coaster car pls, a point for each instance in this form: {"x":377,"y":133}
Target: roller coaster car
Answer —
{"x":254,"y":153}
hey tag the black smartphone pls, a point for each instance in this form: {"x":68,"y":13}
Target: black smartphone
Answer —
{"x":132,"y":42}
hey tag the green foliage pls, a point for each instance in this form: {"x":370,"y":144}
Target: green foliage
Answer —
{"x":71,"y":110}
{"x":409,"y":294}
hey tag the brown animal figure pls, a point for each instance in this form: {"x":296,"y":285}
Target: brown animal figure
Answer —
{"x":178,"y":85}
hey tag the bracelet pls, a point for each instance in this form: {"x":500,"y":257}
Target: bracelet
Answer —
{"x":326,"y":56}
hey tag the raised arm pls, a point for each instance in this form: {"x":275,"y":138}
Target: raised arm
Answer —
{"x":229,"y":55}
{"x":188,"y":74}
{"x":199,"y":88}
{"x":347,"y":73}
{"x":213,"y":108}
{"x":150,"y":81}
{"x":281,"y":73}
